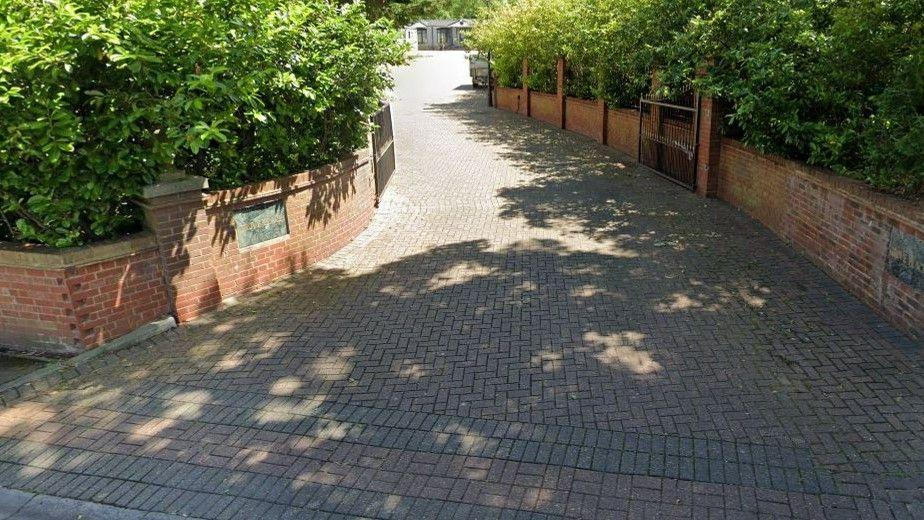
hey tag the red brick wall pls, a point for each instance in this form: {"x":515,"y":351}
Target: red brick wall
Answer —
{"x":509,"y":99}
{"x":68,"y":308}
{"x":115,"y":297}
{"x":622,"y":133}
{"x":584,"y":117}
{"x":581,"y":116}
{"x":544,"y":107}
{"x":325,"y":209}
{"x":67,"y":300}
{"x":35,"y":309}
{"x":842,"y":226}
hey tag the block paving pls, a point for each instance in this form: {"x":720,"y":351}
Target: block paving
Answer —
{"x":533,"y":326}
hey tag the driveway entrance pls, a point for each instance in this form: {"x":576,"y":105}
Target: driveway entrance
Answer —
{"x":533,"y":326}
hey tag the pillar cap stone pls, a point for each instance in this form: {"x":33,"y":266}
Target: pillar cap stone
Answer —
{"x":172,"y":183}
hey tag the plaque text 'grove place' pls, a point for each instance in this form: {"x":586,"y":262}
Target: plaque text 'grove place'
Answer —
{"x":260,"y":223}
{"x":906,"y":258}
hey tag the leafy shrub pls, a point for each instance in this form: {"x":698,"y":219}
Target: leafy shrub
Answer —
{"x":535,"y":30}
{"x":97,"y":98}
{"x":836,"y":84}
{"x":828,"y":83}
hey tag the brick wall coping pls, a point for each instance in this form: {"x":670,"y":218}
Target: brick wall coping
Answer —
{"x":289,"y":184}
{"x":42,"y":257}
{"x":541,"y":94}
{"x":907,"y":212}
{"x":177,"y":188}
{"x":172,"y":183}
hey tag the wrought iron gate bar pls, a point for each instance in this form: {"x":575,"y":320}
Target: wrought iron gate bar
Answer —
{"x":668,"y":105}
{"x":668,"y":135}
{"x":383,"y":148}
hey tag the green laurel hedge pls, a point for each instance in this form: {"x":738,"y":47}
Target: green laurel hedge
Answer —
{"x":838,"y":84}
{"x":97,"y":98}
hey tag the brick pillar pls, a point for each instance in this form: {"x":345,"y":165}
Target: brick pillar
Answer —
{"x":708,"y":148}
{"x":525,"y":109}
{"x":560,"y":95}
{"x":174,"y":211}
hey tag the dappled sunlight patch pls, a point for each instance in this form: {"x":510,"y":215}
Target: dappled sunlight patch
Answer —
{"x":152,"y":427}
{"x":471,"y":442}
{"x":189,"y":397}
{"x":678,"y":302}
{"x":463,"y":272}
{"x":279,"y":412}
{"x":139,"y":374}
{"x":703,"y":297}
{"x":256,"y":457}
{"x":408,"y":369}
{"x":77,"y":461}
{"x":186,"y":406}
{"x":393,"y":290}
{"x":591,"y":291}
{"x":573,"y":235}
{"x":332,"y":431}
{"x":259,"y":338}
{"x":287,"y":385}
{"x":49,"y":457}
{"x":23,"y":415}
{"x":204,"y":349}
{"x":390,"y":504}
{"x":548,"y":360}
{"x":753,"y":300}
{"x":93,"y":395}
{"x":335,"y":366}
{"x":155,"y":446}
{"x":272,"y":344}
{"x":231,"y":360}
{"x":620,"y":350}
{"x":637,"y":361}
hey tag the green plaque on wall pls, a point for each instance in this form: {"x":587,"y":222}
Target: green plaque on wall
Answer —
{"x":256,"y":224}
{"x":906,"y":258}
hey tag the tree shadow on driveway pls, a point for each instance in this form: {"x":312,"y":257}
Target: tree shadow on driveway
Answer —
{"x":336,"y":382}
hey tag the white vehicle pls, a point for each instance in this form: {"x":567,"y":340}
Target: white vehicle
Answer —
{"x":478,"y":69}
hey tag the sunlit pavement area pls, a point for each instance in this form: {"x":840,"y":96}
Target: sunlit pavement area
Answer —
{"x":533,"y":326}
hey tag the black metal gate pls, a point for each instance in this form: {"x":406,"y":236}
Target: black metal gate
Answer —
{"x":668,"y":134}
{"x":383,"y":148}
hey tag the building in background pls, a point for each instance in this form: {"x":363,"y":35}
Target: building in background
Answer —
{"x":437,"y":34}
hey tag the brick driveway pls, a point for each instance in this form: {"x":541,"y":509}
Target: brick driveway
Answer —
{"x":533,"y":326}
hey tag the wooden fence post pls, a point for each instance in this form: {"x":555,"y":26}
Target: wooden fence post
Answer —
{"x":604,"y":120}
{"x":525,"y":109}
{"x":560,"y":91}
